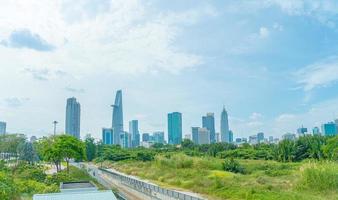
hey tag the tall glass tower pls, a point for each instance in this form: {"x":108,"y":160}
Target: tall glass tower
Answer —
{"x":225,"y":135}
{"x":135,"y":134}
{"x":117,"y":123}
{"x":175,"y":128}
{"x":208,"y":122}
{"x":73,"y":112}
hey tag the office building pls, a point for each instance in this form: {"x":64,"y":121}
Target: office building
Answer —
{"x":194,"y":134}
{"x":231,"y":136}
{"x":2,"y":128}
{"x":187,"y":136}
{"x":208,"y":122}
{"x":225,"y":137}
{"x":117,"y":122}
{"x":260,"y":137}
{"x":329,"y":129}
{"x":270,"y":139}
{"x":253,"y":139}
{"x":175,"y":128}
{"x":145,"y":137}
{"x":135,"y":134}
{"x":158,"y":137}
{"x":218,"y":137}
{"x":289,"y":136}
{"x":238,"y":140}
{"x":73,"y":113}
{"x":316,"y":131}
{"x":301,"y":131}
{"x":125,"y":140}
{"x":203,"y":136}
{"x":200,"y":135}
{"x":107,"y":136}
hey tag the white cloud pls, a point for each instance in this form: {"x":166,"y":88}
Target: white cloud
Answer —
{"x":320,"y":74}
{"x":264,"y":32}
{"x":121,"y":36}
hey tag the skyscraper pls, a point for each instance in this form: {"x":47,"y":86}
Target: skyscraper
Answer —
{"x":301,"y":131}
{"x":329,"y":129}
{"x":158,"y":137}
{"x":203,"y":136}
{"x":208,"y":122}
{"x":231,"y":136}
{"x":194,"y":134}
{"x":260,"y":137}
{"x":315,"y":131}
{"x":107,"y":136}
{"x":2,"y":128}
{"x":135,"y":134}
{"x":145,"y":137}
{"x":73,"y":112}
{"x":117,"y":123}
{"x":175,"y":128}
{"x":225,"y":137}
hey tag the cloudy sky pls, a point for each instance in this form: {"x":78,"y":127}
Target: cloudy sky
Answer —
{"x":272,"y":63}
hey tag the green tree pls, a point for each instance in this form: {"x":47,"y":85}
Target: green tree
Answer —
{"x":27,"y":152}
{"x":7,"y":187}
{"x":90,"y":148}
{"x":285,"y":151}
{"x":331,"y":148}
{"x":9,"y":144}
{"x":69,"y":148}
{"x":49,"y":151}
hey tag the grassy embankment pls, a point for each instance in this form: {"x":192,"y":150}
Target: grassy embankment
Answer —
{"x":27,"y":180}
{"x":260,"y":180}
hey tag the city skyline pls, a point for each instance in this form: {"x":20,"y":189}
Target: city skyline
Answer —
{"x":273,"y":64}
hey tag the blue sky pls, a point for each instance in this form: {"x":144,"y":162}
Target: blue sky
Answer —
{"x":272,"y":63}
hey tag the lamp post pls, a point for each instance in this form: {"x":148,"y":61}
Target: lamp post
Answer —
{"x":55,"y":122}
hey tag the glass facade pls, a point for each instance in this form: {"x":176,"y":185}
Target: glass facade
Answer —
{"x":225,"y":136}
{"x":107,"y":136}
{"x":117,"y":123}
{"x":329,"y":129}
{"x":175,"y":128}
{"x":135,"y":134}
{"x":208,"y":122}
{"x":2,"y":128}
{"x":73,"y":112}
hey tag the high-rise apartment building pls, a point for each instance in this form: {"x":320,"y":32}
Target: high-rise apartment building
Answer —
{"x":107,"y":136}
{"x":2,"y":128}
{"x":225,"y":137}
{"x":208,"y":122}
{"x":175,"y":128}
{"x":231,"y":136}
{"x":135,"y":134}
{"x":73,"y":114}
{"x":117,"y":123}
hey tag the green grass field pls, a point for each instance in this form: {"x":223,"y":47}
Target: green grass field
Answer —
{"x":260,"y":180}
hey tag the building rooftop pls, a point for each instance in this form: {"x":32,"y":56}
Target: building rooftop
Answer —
{"x":78,"y":185}
{"x":81,"y":190}
{"x":88,"y":195}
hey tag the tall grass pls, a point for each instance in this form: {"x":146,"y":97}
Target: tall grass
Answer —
{"x":319,"y":176}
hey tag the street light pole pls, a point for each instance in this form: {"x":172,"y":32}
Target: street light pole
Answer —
{"x":55,"y":122}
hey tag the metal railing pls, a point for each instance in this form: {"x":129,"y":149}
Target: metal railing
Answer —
{"x":148,"y":188}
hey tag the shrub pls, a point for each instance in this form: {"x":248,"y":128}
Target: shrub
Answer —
{"x":7,"y":187}
{"x":33,"y":172}
{"x":232,"y":165}
{"x":144,"y":156}
{"x":320,"y":176}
